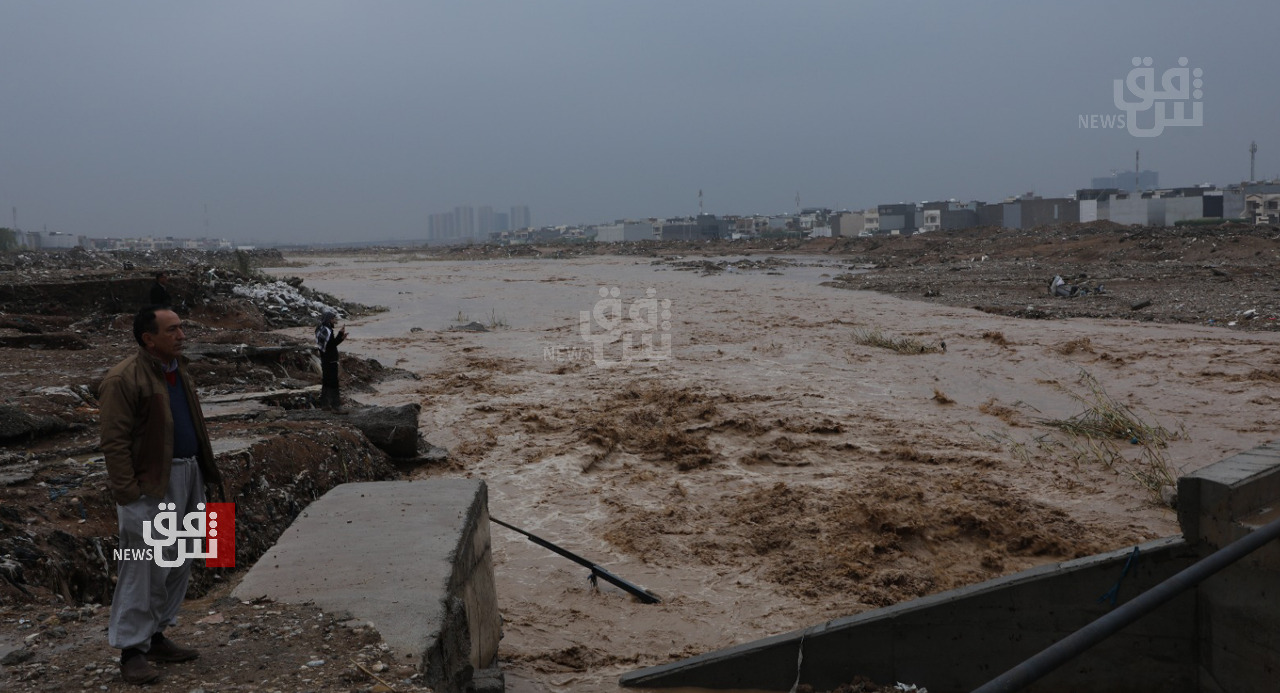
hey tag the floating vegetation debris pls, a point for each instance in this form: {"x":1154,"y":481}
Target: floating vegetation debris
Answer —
{"x":1092,"y":436}
{"x":903,"y":345}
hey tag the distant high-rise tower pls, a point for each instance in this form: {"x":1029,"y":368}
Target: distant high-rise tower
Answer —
{"x":442,"y":228}
{"x":520,"y":218}
{"x":484,"y":220}
{"x":465,"y":222}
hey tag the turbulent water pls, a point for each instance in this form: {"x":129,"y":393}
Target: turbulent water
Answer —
{"x":723,"y":439}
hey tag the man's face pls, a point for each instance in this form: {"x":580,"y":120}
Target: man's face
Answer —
{"x":167,"y":341}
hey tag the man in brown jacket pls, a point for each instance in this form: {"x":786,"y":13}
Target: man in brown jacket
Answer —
{"x":157,"y":451}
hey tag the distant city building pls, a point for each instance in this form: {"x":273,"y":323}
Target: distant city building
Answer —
{"x":625,"y":230}
{"x":465,"y":221}
{"x":442,"y":228}
{"x":1262,"y":203}
{"x":520,"y":218}
{"x":678,"y":229}
{"x":948,"y":215}
{"x":902,"y":218}
{"x":1037,"y":211}
{"x":1160,"y":207}
{"x":466,"y":224}
{"x":54,"y":240}
{"x":1126,"y":180}
{"x":710,"y":227}
{"x":847,"y":224}
{"x":871,"y":221}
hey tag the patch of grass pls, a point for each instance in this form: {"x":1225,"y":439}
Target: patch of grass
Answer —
{"x":495,"y":320}
{"x":1092,"y":435}
{"x":902,"y":345}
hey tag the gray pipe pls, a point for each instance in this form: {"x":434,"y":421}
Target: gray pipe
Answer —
{"x":1061,"y":652}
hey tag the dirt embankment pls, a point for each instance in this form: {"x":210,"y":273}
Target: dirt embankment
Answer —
{"x":64,"y":319}
{"x":1228,"y":276}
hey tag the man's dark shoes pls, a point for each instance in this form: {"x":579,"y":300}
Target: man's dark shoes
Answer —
{"x":166,"y":650}
{"x":136,"y":669}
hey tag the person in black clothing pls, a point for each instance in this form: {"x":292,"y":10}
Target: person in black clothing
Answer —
{"x":159,"y":292}
{"x":327,"y":341}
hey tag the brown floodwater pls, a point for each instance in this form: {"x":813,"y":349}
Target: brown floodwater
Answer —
{"x":768,"y":471}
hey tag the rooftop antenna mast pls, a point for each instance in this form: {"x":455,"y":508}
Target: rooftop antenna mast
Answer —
{"x":1253,"y":152}
{"x":797,"y":202}
{"x":699,"y":201}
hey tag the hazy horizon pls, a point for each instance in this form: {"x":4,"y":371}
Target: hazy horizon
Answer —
{"x":330,"y":122}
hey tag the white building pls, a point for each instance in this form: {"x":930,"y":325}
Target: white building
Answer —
{"x":871,"y":221}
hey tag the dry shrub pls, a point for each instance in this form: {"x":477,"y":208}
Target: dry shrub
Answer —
{"x":1083,"y":344}
{"x":941,"y":397}
{"x":902,"y":345}
{"x":995,"y":338}
{"x":1091,"y":436}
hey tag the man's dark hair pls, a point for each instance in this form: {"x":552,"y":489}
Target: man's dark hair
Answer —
{"x":145,"y":322}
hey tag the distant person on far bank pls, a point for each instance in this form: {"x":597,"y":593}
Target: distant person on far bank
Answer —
{"x":160,"y":291}
{"x":157,"y":452}
{"x":327,"y":341}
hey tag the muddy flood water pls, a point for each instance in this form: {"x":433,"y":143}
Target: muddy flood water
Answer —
{"x":729,"y":441}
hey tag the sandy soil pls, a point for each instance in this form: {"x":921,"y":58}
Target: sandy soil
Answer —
{"x":775,"y":472}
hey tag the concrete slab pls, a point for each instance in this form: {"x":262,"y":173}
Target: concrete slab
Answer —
{"x":226,"y":446}
{"x":411,"y":557}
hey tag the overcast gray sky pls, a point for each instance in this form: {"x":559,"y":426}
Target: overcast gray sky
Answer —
{"x":333,"y":121}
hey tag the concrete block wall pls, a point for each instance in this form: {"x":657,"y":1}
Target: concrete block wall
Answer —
{"x":472,"y":581}
{"x":957,"y":640}
{"x":1238,"y":610}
